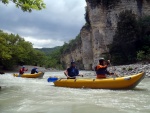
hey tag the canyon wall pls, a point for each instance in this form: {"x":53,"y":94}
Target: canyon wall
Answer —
{"x":97,"y":36}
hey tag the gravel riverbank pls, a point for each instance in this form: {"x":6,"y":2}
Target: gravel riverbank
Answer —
{"x":126,"y":70}
{"x":131,"y":69}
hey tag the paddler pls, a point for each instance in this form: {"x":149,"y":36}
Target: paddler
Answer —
{"x":72,"y":71}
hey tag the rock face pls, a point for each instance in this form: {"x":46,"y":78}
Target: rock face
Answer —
{"x":73,"y":55}
{"x":99,"y":35}
{"x":87,"y":52}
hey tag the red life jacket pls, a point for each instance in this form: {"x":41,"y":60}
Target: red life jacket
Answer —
{"x":21,"y":71}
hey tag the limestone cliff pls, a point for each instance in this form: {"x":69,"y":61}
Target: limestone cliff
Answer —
{"x":102,"y":23}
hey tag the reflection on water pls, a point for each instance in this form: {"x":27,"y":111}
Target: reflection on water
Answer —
{"x":24,"y":95}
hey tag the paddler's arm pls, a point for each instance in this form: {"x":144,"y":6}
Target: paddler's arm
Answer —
{"x":100,"y":66}
{"x":77,"y":73}
{"x":66,"y":73}
{"x":80,"y":75}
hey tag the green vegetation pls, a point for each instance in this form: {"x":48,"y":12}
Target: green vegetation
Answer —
{"x":123,"y":48}
{"x":48,"y":51}
{"x":141,"y":55}
{"x":27,"y":5}
{"x":143,"y":51}
{"x":16,"y":51}
{"x":54,"y":58}
{"x":132,"y":39}
{"x":72,"y":45}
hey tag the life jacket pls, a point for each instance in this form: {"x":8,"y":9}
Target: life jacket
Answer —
{"x":21,"y":71}
{"x":101,"y":71}
{"x":72,"y":71}
{"x":34,"y":70}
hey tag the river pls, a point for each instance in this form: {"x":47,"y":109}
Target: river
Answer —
{"x":24,"y":95}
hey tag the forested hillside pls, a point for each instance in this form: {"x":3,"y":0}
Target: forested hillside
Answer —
{"x":53,"y":55}
{"x":47,"y":51}
{"x":16,"y":51}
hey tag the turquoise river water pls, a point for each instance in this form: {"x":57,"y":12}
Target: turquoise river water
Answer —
{"x":24,"y":95}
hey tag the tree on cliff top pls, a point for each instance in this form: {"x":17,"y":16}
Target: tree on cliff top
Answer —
{"x":26,"y":5}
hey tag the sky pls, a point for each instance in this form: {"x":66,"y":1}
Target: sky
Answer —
{"x":60,"y":22}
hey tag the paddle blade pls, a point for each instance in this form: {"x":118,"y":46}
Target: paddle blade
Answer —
{"x":52,"y":79}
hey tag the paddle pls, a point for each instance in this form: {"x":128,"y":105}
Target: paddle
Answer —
{"x":52,"y":79}
{"x":113,"y":74}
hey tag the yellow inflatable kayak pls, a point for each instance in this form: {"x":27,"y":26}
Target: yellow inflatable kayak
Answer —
{"x":128,"y":82}
{"x":26,"y":75}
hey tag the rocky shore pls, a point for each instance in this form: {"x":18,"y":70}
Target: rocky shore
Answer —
{"x":126,"y":70}
{"x":131,"y":69}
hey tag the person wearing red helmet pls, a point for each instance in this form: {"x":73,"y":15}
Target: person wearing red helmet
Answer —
{"x":22,"y":70}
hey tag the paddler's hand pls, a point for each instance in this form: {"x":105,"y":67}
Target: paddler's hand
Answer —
{"x":68,"y":77}
{"x":108,"y":61}
{"x":80,"y":75}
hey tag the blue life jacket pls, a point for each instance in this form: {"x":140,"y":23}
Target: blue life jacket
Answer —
{"x":34,"y":70}
{"x":73,"y":71}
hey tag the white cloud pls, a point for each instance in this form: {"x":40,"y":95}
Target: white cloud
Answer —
{"x":40,"y":43}
{"x":58,"y":23}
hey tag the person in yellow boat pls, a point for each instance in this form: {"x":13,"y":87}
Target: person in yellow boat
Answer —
{"x":101,"y":69}
{"x":72,"y":71}
{"x":34,"y":70}
{"x":22,"y":70}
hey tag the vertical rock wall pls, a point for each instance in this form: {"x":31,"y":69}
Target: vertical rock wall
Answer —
{"x":87,"y":49}
{"x":103,"y":23}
